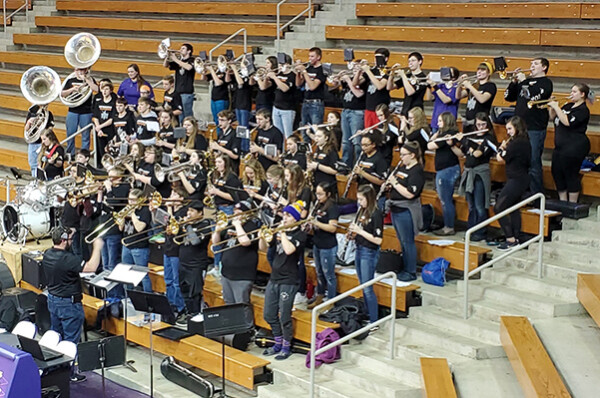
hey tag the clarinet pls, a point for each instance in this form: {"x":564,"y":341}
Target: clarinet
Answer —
{"x":386,"y":183}
{"x":349,"y":234}
{"x":352,"y":175}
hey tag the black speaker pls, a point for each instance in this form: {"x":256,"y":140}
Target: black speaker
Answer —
{"x":32,"y":269}
{"x":24,"y":299}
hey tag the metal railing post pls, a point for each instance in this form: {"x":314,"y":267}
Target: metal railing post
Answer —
{"x":315,"y":312}
{"x":210,"y":53}
{"x":281,"y":28}
{"x":538,"y":238}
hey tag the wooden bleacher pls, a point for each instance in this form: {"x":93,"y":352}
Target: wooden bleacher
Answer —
{"x":531,"y":363}
{"x":437,"y":378}
{"x":13,"y":5}
{"x":588,"y":293}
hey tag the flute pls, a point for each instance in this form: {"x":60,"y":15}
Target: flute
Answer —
{"x":445,"y":138}
{"x":365,"y":131}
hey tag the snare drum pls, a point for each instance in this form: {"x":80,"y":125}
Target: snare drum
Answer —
{"x":34,"y":196}
{"x":23,"y":222}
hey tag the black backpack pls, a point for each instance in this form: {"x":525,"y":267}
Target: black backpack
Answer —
{"x":350,"y":313}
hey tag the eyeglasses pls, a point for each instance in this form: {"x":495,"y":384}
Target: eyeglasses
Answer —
{"x":404,"y":154}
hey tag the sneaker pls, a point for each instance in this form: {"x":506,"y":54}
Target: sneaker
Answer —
{"x":506,"y":246}
{"x":284,"y":354}
{"x":300,"y":299}
{"x":407,"y":276}
{"x":374,"y":329}
{"x":444,"y":232}
{"x":182,"y":319}
{"x":77,"y":378}
{"x":272,"y":350}
{"x":312,"y":303}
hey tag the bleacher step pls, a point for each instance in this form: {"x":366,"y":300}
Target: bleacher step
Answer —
{"x":577,"y":237}
{"x":555,"y":266}
{"x":546,"y":287}
{"x":583,"y":224}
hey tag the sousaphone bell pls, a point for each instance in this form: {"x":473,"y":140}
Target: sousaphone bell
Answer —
{"x":40,"y":85}
{"x":81,"y":52}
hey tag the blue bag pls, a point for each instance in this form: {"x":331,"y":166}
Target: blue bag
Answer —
{"x":434,"y":272}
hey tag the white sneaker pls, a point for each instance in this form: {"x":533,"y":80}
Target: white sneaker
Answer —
{"x":300,"y":299}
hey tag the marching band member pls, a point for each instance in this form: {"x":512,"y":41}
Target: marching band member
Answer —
{"x":266,"y":87}
{"x":414,"y":83}
{"x":415,"y":128}
{"x":377,"y":92}
{"x":267,"y":134}
{"x":228,"y":143}
{"x":447,"y":169}
{"x":194,"y":180}
{"x":324,"y":226}
{"x":516,"y":153}
{"x":124,"y":124}
{"x":372,"y":168}
{"x":130,"y":88}
{"x":51,"y":155}
{"x":389,"y":133}
{"x":241,"y":95}
{"x":571,"y":145}
{"x":223,"y":184}
{"x":313,"y":78}
{"x":32,"y":149}
{"x":166,"y":136}
{"x":219,"y":96}
{"x":292,"y":155}
{"x":481,"y":96}
{"x":523,"y":89}
{"x":324,"y":158}
{"x":283,"y":281}
{"x":79,"y":116}
{"x":444,"y":98}
{"x":476,"y":181}
{"x":171,"y":99}
{"x":237,"y":277}
{"x":334,"y":119}
{"x":195,"y":141}
{"x":368,"y":229}
{"x":70,"y":215}
{"x":146,"y":122}
{"x":184,"y":78}
{"x":405,"y":205}
{"x":102,"y":111}
{"x":284,"y":102}
{"x":254,"y":180}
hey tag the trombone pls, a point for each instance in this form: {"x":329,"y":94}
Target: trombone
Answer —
{"x":108,"y":161}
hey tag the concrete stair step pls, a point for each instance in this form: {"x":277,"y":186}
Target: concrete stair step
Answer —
{"x":546,"y":287}
{"x":577,"y":237}
{"x":479,"y":329}
{"x":590,"y":224}
{"x":565,"y":272}
{"x":379,"y":384}
{"x":522,"y":299}
{"x":409,"y":332}
{"x":568,"y":254}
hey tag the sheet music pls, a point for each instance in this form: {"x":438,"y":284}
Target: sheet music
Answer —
{"x":389,"y":281}
{"x":348,"y":271}
{"x":124,"y":273}
{"x":440,"y":242}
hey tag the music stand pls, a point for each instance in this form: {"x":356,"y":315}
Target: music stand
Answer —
{"x":223,"y":320}
{"x":100,"y":354}
{"x":127,"y":274}
{"x":152,"y":303}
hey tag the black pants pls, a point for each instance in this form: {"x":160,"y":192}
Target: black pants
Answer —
{"x":191,"y":283}
{"x":511,"y":194}
{"x":565,"y":170}
{"x":279,"y":301}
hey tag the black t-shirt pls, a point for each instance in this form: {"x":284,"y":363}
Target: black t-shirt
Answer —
{"x":474,"y":106}
{"x":113,"y":202}
{"x":194,"y":250}
{"x":372,"y":225}
{"x":230,"y":141}
{"x":388,"y":140}
{"x":351,"y":101}
{"x":147,"y":170}
{"x":266,"y":97}
{"x":197,"y":178}
{"x":184,"y":79}
{"x":70,"y":216}
{"x":412,"y":179}
{"x":51,"y":170}
{"x":572,"y":138}
{"x":517,"y":157}
{"x":32,"y":111}
{"x":531,"y":89}
{"x":232,"y":266}
{"x":171,"y":249}
{"x":284,"y":269}
{"x":200,"y":143}
{"x":166,"y":134}
{"x":373,"y":96}
{"x":172,"y":101}
{"x":147,"y":126}
{"x":84,"y":108}
{"x":315,"y":73}
{"x":242,"y":95}
{"x":221,"y":92}
{"x":323,"y":239}
{"x":143,"y":214}
{"x":304,"y":195}
{"x":62,"y":270}
{"x":298,"y":158}
{"x":421,"y":137}
{"x":225,"y":184}
{"x":416,"y":99}
{"x":444,"y":157}
{"x":326,"y":159}
{"x":260,"y":189}
{"x":374,"y":165}
{"x":477,"y":143}
{"x":271,"y":136}
{"x":102,"y":111}
{"x":285,"y":101}
{"x":124,"y":126}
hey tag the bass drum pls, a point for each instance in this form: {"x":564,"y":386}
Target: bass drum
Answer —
{"x":34,"y":196}
{"x":22,"y":222}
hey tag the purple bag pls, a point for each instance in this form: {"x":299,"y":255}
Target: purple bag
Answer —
{"x":331,"y":355}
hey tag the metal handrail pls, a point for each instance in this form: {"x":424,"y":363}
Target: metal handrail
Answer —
{"x":539,"y":237}
{"x":280,"y":29}
{"x":210,"y":53}
{"x":5,"y":17}
{"x":328,"y":303}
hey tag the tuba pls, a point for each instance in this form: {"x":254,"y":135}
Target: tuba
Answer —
{"x":40,"y":85}
{"x":81,"y":52}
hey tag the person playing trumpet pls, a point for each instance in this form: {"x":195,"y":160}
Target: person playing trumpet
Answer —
{"x":266,"y":87}
{"x":413,"y":83}
{"x":481,"y":96}
{"x":219,"y":95}
{"x":377,"y":91}
{"x":241,"y":93}
{"x":313,"y":78}
{"x":183,"y":65}
{"x":194,"y":179}
{"x":284,"y":102}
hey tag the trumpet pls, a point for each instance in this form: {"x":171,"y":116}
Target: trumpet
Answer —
{"x":298,"y":63}
{"x":541,"y":104}
{"x":333,"y":78}
{"x":91,"y":179}
{"x":108,"y":161}
{"x":503,"y":74}
{"x":461,"y":81}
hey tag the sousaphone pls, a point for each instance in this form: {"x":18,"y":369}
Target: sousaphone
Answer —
{"x":81,"y":52}
{"x":40,"y":85}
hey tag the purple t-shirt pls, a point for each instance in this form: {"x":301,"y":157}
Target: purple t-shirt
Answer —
{"x":439,"y":107}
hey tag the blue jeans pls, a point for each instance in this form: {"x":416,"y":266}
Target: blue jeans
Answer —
{"x":227,"y":209}
{"x":405,"y":231}
{"x":215,"y":108}
{"x":187,"y":102}
{"x":366,"y":261}
{"x":111,"y":256}
{"x":243,"y":117}
{"x":352,"y":121}
{"x":32,"y":157}
{"x":66,"y":317}
{"x":312,"y":113}
{"x":73,"y":122}
{"x":325,"y":266}
{"x":444,"y":185}
{"x":171,"y":268}
{"x":284,"y":121}
{"x":477,"y":211}
{"x":536,"y":138}
{"x":139,"y":257}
